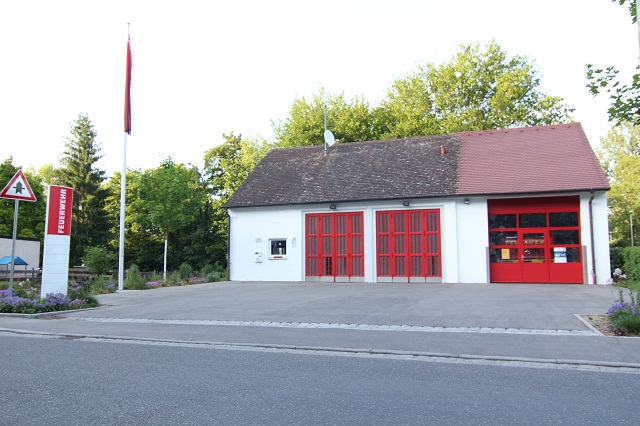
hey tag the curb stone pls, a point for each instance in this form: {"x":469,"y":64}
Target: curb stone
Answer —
{"x":327,"y":349}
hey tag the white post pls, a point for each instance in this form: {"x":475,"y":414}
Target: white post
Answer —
{"x":164,"y":274}
{"x":631,"y":223}
{"x":123,"y":192}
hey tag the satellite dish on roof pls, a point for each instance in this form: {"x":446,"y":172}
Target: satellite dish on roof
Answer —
{"x":329,"y":139}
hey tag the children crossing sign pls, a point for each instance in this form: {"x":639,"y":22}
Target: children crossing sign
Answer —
{"x":18,"y":188}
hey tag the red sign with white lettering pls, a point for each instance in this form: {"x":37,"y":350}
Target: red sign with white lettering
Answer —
{"x":59,"y":210}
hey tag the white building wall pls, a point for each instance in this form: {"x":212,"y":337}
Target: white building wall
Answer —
{"x":28,"y":250}
{"x":600,"y":237}
{"x":250,"y":231}
{"x":252,"y":228}
{"x":464,"y":238}
{"x":473,"y":240}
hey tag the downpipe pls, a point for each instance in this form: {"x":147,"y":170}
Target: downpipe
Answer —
{"x":593,"y":251}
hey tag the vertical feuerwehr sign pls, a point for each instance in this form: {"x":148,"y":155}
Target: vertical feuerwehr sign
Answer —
{"x":57,"y":240}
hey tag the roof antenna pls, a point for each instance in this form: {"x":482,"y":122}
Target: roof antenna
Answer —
{"x":329,"y":139}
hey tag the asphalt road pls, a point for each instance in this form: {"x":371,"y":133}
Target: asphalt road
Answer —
{"x":49,"y":380}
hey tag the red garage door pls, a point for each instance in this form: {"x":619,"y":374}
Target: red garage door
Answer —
{"x":334,"y":246}
{"x":535,"y":240}
{"x":408,"y":245}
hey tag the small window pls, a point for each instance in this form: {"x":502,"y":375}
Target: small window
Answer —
{"x":278,"y":248}
{"x":503,"y":238}
{"x":508,"y":255}
{"x":563,"y":219}
{"x":498,"y":221}
{"x":533,"y":220}
{"x":564,"y":237}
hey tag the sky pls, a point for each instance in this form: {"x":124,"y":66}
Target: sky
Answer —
{"x":204,"y":68}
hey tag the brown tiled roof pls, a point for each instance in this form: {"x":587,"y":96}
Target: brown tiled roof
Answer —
{"x":541,"y":159}
{"x":513,"y":161}
{"x":375,"y":170}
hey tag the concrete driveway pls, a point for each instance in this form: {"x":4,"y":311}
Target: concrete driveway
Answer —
{"x":521,"y":306}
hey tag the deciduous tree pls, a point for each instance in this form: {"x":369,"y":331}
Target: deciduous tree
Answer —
{"x":142,"y":244}
{"x":624,"y":203}
{"x":619,"y":155}
{"x":622,"y":141}
{"x":480,"y":88}
{"x":169,"y":199}
{"x":349,"y":119}
{"x":225,"y":168}
{"x":625,"y":96}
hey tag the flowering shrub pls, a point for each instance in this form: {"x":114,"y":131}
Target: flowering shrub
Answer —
{"x":75,"y":286}
{"x":153,"y":284}
{"x":625,"y":315}
{"x":622,"y":307}
{"x":618,"y":275}
{"x":196,"y":280}
{"x":50,"y":303}
{"x":101,"y":285}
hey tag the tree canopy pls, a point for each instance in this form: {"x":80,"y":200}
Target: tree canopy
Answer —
{"x":622,"y":141}
{"x":624,"y":203}
{"x":619,"y":155}
{"x":225,"y":168}
{"x":169,"y":198}
{"x":349,"y":119}
{"x":625,"y":96}
{"x":481,"y":87}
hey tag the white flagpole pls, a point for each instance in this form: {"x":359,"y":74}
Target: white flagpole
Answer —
{"x":123,"y":175}
{"x":123,"y":192}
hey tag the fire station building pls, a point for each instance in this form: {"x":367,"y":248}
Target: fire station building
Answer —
{"x":524,"y":205}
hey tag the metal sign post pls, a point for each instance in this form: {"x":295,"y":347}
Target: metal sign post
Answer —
{"x":13,"y":247}
{"x":14,"y":191}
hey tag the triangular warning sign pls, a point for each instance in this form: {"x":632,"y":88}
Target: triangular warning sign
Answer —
{"x":18,"y":188}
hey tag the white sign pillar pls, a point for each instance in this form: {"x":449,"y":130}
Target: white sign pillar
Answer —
{"x":57,"y":241}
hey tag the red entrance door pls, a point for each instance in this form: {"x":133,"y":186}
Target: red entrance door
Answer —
{"x":408,"y":244}
{"x":334,"y":245}
{"x":534,"y":261}
{"x":535,"y":240}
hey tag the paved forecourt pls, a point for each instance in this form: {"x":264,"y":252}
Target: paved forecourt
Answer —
{"x":496,"y":320}
{"x":521,"y":306}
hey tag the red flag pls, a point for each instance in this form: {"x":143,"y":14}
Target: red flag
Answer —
{"x":127,"y":91}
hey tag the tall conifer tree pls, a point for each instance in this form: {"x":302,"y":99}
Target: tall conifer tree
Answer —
{"x":80,"y":171}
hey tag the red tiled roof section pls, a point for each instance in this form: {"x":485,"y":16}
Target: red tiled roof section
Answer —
{"x":528,"y":160}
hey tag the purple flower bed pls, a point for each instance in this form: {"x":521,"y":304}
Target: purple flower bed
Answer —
{"x":24,"y":305}
{"x":622,"y":307}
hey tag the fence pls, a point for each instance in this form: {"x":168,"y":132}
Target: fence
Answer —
{"x":20,"y":274}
